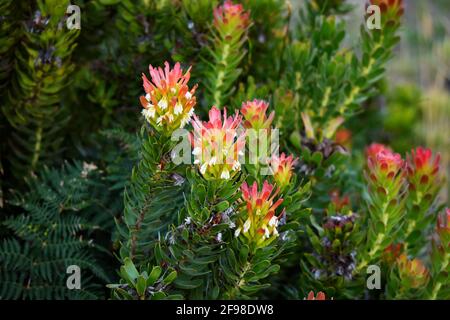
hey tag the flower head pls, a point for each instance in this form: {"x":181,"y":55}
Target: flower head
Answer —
{"x":254,"y":113}
{"x":339,"y":202}
{"x":168,"y":103}
{"x":423,"y":170}
{"x":218,"y":144}
{"x":382,"y":162}
{"x":343,"y":137}
{"x":282,"y":168}
{"x":386,"y":170}
{"x":374,"y":149}
{"x":259,"y":222}
{"x":231,"y":19}
{"x":412,"y":271}
{"x":391,"y":10}
{"x":320,"y":296}
{"x":392,"y":252}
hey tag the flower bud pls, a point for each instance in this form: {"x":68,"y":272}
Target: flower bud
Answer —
{"x":254,"y":113}
{"x":392,"y":252}
{"x":282,"y":168}
{"x":391,"y":10}
{"x":383,"y":164}
{"x":423,"y":171}
{"x":231,"y":20}
{"x":412,"y":271}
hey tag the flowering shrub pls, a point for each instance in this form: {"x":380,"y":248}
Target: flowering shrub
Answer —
{"x":278,"y":194}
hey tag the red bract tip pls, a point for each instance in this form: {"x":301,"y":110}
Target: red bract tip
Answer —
{"x":374,"y":149}
{"x":423,"y":167}
{"x":254,"y":113}
{"x":282,"y":168}
{"x":338,"y":201}
{"x":388,"y":4}
{"x":232,"y":15}
{"x":392,"y":252}
{"x":320,"y":296}
{"x":260,"y":199}
{"x":258,"y":222}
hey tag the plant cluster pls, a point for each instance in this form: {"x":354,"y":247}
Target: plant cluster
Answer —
{"x":237,"y":176}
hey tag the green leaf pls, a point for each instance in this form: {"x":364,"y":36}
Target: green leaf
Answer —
{"x":170,"y":278}
{"x":141,"y":286}
{"x":154,"y":275}
{"x":222,"y":206}
{"x":131,"y":271}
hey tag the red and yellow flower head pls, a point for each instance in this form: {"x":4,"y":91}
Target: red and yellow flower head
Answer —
{"x":391,"y":10}
{"x":320,"y":296}
{"x":374,"y":149}
{"x":254,"y":113}
{"x":168,"y":103}
{"x":231,"y":20}
{"x":258,"y":222}
{"x":385,"y":169}
{"x":282,"y":169}
{"x":382,"y":162}
{"x":412,"y":272}
{"x":423,"y":170}
{"x":339,"y":202}
{"x":392,"y":252}
{"x":218,"y":144}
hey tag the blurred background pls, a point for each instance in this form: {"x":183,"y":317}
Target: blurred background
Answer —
{"x":415,"y":109}
{"x":421,"y":74}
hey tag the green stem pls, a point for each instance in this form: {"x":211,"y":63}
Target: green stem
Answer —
{"x":365,"y":72}
{"x":234,"y":291}
{"x":219,"y":81}
{"x":37,"y":147}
